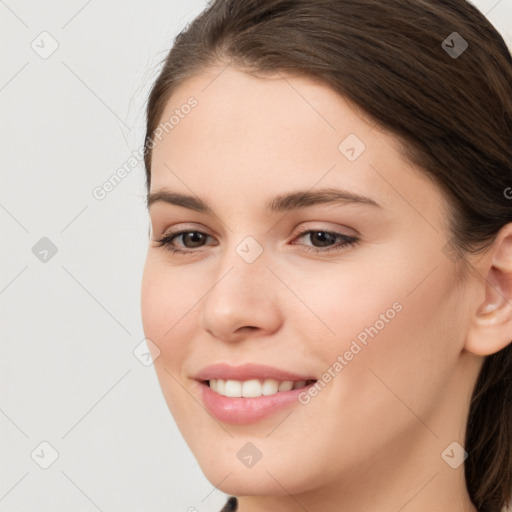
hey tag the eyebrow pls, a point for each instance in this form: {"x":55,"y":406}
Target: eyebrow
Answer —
{"x":280,"y":203}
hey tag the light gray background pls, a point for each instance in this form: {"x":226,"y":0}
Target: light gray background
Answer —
{"x":69,"y":325}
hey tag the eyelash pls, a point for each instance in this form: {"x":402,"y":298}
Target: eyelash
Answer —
{"x":166,"y":241}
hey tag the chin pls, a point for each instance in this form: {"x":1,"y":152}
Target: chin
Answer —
{"x":271,"y":478}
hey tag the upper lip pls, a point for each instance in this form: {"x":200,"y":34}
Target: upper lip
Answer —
{"x":247,"y":372}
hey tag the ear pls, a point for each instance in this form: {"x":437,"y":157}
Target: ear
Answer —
{"x":491,"y":321}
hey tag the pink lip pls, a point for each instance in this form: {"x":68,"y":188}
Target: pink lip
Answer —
{"x":243,"y":411}
{"x":246,"y":372}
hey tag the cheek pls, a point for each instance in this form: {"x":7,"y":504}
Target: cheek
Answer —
{"x":395,"y":332}
{"x":344,"y":306}
{"x":165,"y":304}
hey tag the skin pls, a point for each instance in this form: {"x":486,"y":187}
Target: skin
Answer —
{"x":372,"y":439}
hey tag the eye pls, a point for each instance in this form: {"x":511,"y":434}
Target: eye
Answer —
{"x":325,"y":239}
{"x":193,"y":239}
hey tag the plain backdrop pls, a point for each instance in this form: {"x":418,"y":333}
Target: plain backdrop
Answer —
{"x":84,"y":426}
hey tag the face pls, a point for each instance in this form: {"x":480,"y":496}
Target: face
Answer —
{"x":309,"y":251}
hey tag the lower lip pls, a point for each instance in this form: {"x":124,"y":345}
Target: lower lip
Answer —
{"x":243,"y":411}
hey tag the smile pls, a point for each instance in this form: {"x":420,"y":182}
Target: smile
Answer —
{"x":255,"y":387}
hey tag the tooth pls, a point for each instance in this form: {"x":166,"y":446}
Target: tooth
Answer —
{"x":286,"y":385}
{"x":233,"y":388}
{"x":251,"y":388}
{"x":270,"y":386}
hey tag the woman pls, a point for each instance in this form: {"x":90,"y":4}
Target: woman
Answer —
{"x":329,"y":276}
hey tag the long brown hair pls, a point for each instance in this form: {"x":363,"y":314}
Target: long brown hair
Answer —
{"x":446,"y":97}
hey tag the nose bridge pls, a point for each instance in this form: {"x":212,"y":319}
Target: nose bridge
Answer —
{"x":242,"y":275}
{"x":240,"y":295}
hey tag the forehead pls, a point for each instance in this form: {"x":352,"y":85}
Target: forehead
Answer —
{"x":233,"y":106}
{"x":256,"y":135}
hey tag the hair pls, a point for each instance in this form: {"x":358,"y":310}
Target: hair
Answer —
{"x":451,"y":115}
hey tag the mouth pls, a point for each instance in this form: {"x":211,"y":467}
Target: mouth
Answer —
{"x":254,"y":388}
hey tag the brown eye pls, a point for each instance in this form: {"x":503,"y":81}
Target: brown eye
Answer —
{"x":195,"y":238}
{"x":190,"y":239}
{"x":322,"y":240}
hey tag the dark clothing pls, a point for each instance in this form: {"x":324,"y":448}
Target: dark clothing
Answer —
{"x":231,"y":505}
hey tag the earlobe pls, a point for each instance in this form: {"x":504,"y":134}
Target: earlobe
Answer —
{"x":491,"y":323}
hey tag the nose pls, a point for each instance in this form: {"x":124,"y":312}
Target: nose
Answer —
{"x":242,"y":301}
